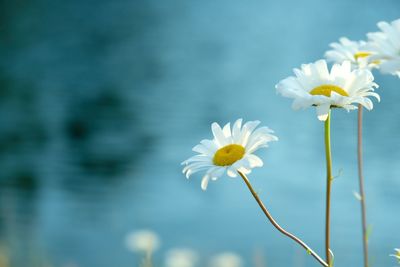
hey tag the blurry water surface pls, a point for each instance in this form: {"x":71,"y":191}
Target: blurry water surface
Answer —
{"x":102,"y":100}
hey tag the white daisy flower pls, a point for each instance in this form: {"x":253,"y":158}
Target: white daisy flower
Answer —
{"x":315,"y":85}
{"x":231,"y":150}
{"x":397,"y":255}
{"x":358,"y":53}
{"x":386,"y":45}
{"x":226,"y":259}
{"x":181,"y":257}
{"x":142,"y":241}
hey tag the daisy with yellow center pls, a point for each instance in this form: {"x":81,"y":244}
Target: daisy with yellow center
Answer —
{"x":357,"y":53}
{"x":361,"y":57}
{"x":230,"y":151}
{"x":397,"y":254}
{"x":341,"y":87}
{"x":386,"y":46}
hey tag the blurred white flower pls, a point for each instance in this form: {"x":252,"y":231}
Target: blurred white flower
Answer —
{"x":357,"y":53}
{"x":226,"y":259}
{"x":142,"y":241}
{"x":181,"y":257}
{"x":386,"y":46}
{"x":231,"y":150}
{"x":341,"y":87}
{"x":397,"y":254}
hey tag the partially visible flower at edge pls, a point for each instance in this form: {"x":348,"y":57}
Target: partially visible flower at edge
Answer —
{"x":386,"y":46}
{"x":231,"y":150}
{"x":145,"y":241}
{"x":341,"y":87}
{"x":358,"y":53}
{"x":397,"y":255}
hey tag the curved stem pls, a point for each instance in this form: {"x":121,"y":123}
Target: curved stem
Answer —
{"x":277,"y":226}
{"x":361,"y":184}
{"x":328,"y":187}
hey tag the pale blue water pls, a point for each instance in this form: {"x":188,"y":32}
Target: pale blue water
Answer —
{"x":102,"y":100}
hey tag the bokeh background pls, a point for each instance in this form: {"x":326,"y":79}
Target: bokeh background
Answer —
{"x":101,"y":100}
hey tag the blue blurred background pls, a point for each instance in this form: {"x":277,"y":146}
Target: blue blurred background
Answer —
{"x":101,"y":101}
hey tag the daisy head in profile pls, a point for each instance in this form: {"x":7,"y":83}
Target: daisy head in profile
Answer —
{"x":386,"y":46}
{"x":230,"y":150}
{"x":358,"y":53}
{"x":341,"y":87}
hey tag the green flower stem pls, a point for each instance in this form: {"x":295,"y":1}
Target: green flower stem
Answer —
{"x":277,"y":226}
{"x":361,"y":185}
{"x":328,"y":187}
{"x":147,"y":261}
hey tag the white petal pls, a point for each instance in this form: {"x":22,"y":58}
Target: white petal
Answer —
{"x":236,"y":130}
{"x":323,"y":111}
{"x":260,"y":138}
{"x":218,"y":134}
{"x":194,"y":166}
{"x":210,"y":145}
{"x":244,"y":170}
{"x":322,"y":69}
{"x":254,"y":161}
{"x":218,"y":172}
{"x":302,"y":102}
{"x":200,"y":148}
{"x":197,"y":158}
{"x":231,"y":171}
{"x":192,"y":170}
{"x":247,"y":129}
{"x":204,"y":182}
{"x":390,"y":66}
{"x":211,"y":174}
{"x":227,"y":130}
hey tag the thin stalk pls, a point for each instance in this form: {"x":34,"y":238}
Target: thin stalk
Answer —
{"x":361,"y":184}
{"x":147,"y":260}
{"x":277,"y":226}
{"x":328,"y":187}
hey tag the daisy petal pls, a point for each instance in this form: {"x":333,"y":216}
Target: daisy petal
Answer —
{"x":218,"y":134}
{"x":323,"y":111}
{"x":204,"y":182}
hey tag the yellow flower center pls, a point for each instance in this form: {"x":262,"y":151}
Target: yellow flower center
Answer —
{"x":327,"y":89}
{"x":376,"y":62}
{"x":361,"y":54}
{"x":228,"y":155}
